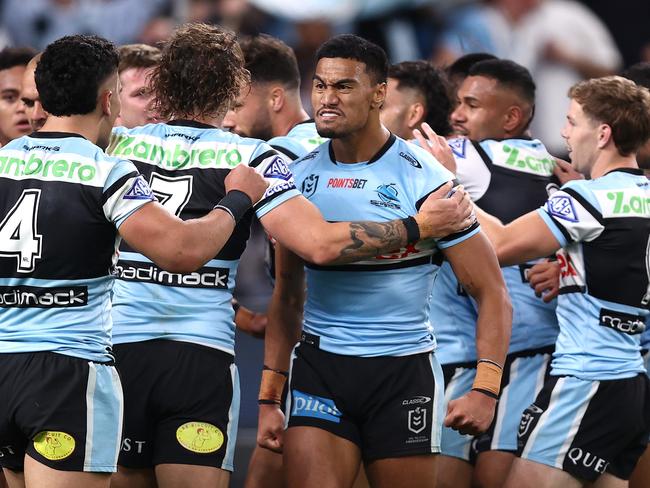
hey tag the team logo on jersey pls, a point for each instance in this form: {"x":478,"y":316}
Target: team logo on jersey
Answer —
{"x":278,"y":169}
{"x":530,"y":414}
{"x":458,"y":146}
{"x":387,"y":197}
{"x":417,"y":420}
{"x":139,"y":191}
{"x":54,"y":445}
{"x":199,"y":437}
{"x":306,"y":405}
{"x":412,"y":161}
{"x":562,"y":208}
{"x":309,"y":185}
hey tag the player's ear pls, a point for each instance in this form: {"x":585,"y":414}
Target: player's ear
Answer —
{"x":379,"y":95}
{"x":277,"y":98}
{"x":604,"y":135}
{"x":106,"y":102}
{"x":513,"y":118}
{"x":415,"y":115}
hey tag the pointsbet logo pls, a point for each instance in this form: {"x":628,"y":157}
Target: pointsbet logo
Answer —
{"x":51,"y":168}
{"x":199,"y":437}
{"x":174,"y":155}
{"x":54,"y":445}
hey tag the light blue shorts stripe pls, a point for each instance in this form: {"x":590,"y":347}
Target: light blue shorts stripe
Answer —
{"x":455,"y":444}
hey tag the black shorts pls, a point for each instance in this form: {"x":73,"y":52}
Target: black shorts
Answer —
{"x":181,"y":404}
{"x":388,"y":406}
{"x":65,"y":412}
{"x":587,"y":428}
{"x":523,"y":378}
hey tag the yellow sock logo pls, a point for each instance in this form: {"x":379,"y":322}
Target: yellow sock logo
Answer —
{"x":53,"y":445}
{"x":199,"y":437}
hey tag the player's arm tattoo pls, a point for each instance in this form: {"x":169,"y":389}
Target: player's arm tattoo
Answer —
{"x":373,"y":238}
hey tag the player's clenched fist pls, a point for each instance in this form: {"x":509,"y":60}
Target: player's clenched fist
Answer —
{"x":270,"y":427}
{"x":445,"y":211}
{"x":247,"y":180}
{"x":471,"y":414}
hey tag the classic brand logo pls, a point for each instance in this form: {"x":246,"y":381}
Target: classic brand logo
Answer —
{"x":54,"y":445}
{"x":199,"y":437}
{"x":411,"y":159}
{"x":306,"y":405}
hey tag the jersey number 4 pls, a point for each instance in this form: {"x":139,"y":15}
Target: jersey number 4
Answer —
{"x":19,"y":237}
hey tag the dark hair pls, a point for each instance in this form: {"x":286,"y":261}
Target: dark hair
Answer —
{"x":70,"y":72}
{"x":137,"y":56}
{"x":349,"y":46}
{"x":268,"y":60}
{"x":460,"y":68}
{"x":619,"y":103}
{"x":508,"y":74}
{"x":201,"y":71}
{"x":639,"y":73}
{"x":15,"y":56}
{"x":432,"y":85}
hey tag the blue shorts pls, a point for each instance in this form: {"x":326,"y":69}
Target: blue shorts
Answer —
{"x":459,"y":382}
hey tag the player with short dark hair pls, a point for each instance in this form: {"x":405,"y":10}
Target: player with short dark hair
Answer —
{"x":417,"y":92}
{"x":459,"y":69}
{"x":189,"y":316}
{"x":364,"y":384}
{"x":136,"y":64}
{"x":511,"y":174}
{"x":13,"y":121}
{"x":63,"y":206}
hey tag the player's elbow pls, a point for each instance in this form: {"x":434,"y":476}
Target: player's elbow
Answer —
{"x":181,"y":261}
{"x":323,"y":255}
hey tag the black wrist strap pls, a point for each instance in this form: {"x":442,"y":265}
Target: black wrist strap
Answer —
{"x":278,"y":371}
{"x":486,"y":392}
{"x":268,"y":402}
{"x":412,"y":230}
{"x":236,"y":203}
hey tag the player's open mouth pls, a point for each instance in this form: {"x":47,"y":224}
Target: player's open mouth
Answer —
{"x":329,"y":114}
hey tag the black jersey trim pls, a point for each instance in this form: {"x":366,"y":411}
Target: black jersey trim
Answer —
{"x":572,"y":289}
{"x":481,"y":152}
{"x":632,"y":171}
{"x":266,"y":200}
{"x":54,"y":135}
{"x":588,"y":206}
{"x":115,"y":186}
{"x":419,"y":203}
{"x":462,"y":233}
{"x":191,"y":123}
{"x":374,"y":267}
{"x":564,"y":232}
{"x":258,"y":160}
{"x":286,"y":152}
{"x":391,"y":140}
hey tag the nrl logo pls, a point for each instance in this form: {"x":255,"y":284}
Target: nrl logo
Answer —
{"x":417,"y":420}
{"x":309,"y":185}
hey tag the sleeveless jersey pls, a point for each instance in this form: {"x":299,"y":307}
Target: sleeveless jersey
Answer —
{"x":604,"y":227}
{"x":61,"y":202}
{"x":506,"y":178}
{"x":186,"y":164}
{"x":377,"y":307}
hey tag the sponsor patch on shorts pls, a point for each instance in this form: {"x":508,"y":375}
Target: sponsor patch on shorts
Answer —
{"x":199,"y":437}
{"x":54,"y":445}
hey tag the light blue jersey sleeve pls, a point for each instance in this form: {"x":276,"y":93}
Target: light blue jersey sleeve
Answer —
{"x":125,"y":191}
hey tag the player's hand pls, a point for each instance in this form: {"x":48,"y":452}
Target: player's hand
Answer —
{"x":270,"y":427}
{"x":470,"y":414}
{"x":251,"y":322}
{"x":442,"y":214}
{"x":544,"y":278}
{"x":565,"y":172}
{"x":247,"y":180}
{"x":437,"y":146}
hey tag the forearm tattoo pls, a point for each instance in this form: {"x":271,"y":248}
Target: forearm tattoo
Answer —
{"x":373,"y":238}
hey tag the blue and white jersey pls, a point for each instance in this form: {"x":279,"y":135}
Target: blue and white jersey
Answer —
{"x":377,"y":307}
{"x":506,"y":178}
{"x":302,"y":139}
{"x":604,"y":227}
{"x":62,"y":200}
{"x":186,"y":164}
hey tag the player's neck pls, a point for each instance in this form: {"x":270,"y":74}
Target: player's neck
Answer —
{"x":83,"y":125}
{"x":287,"y":121}
{"x":611,"y":160}
{"x":215,"y":121}
{"x":361,"y":145}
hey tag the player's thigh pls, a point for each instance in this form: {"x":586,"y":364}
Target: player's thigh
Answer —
{"x":492,"y":468}
{"x":641,"y":475}
{"x":609,"y":481}
{"x":38,"y":475}
{"x":316,"y":458}
{"x":265,"y":470}
{"x":529,"y":474}
{"x":133,"y":478}
{"x":191,"y":476}
{"x":12,"y":479}
{"x":453,"y":473}
{"x":411,"y":471}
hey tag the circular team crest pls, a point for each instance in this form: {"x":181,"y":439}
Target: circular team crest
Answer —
{"x":199,"y":437}
{"x":54,"y":445}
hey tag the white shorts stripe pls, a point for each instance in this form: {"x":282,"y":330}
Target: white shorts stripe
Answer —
{"x":233,"y":420}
